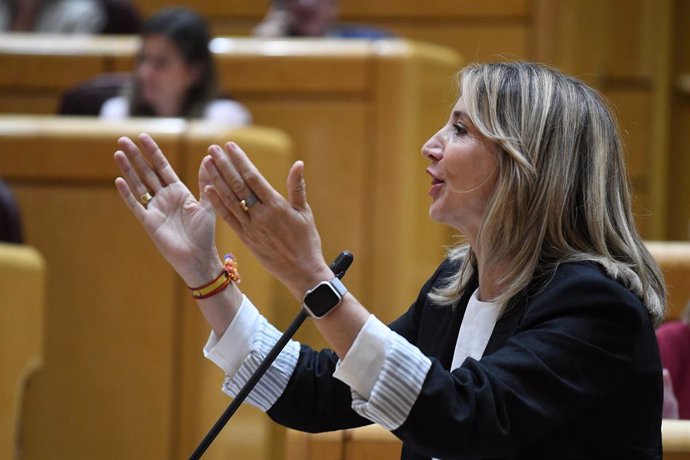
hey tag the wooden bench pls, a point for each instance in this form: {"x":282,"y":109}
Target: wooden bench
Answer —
{"x":676,"y":439}
{"x":366,"y":443}
{"x":39,"y":68}
{"x":478,"y":30}
{"x":22,"y":299}
{"x":674,"y":259}
{"x":124,"y":376}
{"x":358,"y":113}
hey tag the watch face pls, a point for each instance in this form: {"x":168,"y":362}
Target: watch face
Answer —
{"x":321,"y":299}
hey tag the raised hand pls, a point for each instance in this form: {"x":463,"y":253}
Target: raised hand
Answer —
{"x":182,"y":228}
{"x":281,"y":233}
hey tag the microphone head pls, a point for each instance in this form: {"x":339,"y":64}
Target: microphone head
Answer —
{"x":342,"y":263}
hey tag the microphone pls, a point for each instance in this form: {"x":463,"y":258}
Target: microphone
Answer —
{"x":339,"y":266}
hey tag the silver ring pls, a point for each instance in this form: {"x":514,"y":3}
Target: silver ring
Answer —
{"x":248,"y":202}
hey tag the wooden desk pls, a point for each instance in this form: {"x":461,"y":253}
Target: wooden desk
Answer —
{"x":124,"y":376}
{"x":676,"y":439}
{"x":370,"y":442}
{"x":39,"y":68}
{"x":22,"y":300}
{"x":358,"y":113}
{"x":674,"y":259}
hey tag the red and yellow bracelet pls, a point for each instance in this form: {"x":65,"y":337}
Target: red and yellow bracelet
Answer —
{"x":220,"y":282}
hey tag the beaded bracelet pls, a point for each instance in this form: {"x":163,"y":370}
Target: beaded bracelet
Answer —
{"x":220,"y":282}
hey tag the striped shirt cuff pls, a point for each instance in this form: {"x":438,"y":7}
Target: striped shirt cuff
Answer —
{"x":360,"y":368}
{"x":231,"y":349}
{"x":396,"y":384}
{"x":241,"y":354}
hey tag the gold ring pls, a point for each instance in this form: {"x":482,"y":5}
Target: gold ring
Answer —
{"x":145,"y":198}
{"x":248,"y":202}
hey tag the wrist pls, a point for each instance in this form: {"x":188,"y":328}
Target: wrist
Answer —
{"x":203,"y":273}
{"x":300,"y":286}
{"x":227,"y":276}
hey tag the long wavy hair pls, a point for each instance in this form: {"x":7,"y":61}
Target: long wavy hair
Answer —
{"x":562,"y":193}
{"x":188,"y":31}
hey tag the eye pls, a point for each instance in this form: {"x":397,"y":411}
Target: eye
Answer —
{"x":460,"y":129}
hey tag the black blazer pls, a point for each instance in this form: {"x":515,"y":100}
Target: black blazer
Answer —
{"x":571,"y":371}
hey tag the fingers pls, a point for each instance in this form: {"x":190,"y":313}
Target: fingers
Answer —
{"x":131,"y":202}
{"x":215,"y":198}
{"x":204,"y":182}
{"x":227,"y":180}
{"x":226,"y":200}
{"x":244,"y":174}
{"x":296,"y":187}
{"x":134,"y":184}
{"x":158,"y":160}
{"x":145,"y":172}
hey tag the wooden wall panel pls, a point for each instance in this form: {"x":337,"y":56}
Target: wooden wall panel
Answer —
{"x":633,"y":108}
{"x":108,"y":364}
{"x":478,"y":30}
{"x":679,"y":154}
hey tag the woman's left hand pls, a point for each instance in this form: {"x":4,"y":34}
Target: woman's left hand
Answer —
{"x":280,"y":233}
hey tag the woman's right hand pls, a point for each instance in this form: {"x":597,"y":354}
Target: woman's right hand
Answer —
{"x":182,"y":228}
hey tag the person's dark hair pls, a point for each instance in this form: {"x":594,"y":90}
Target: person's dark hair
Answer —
{"x":10,"y":220}
{"x":189,"y":32}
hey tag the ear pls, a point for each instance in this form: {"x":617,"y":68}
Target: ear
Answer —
{"x":195,"y":73}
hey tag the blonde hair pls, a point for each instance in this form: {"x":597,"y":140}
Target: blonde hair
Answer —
{"x":562,"y":193}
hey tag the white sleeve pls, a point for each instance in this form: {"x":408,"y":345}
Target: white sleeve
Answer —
{"x":230,"y":113}
{"x":115,"y":108}
{"x":243,"y":347}
{"x":385,"y":373}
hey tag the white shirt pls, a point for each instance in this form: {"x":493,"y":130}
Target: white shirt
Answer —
{"x":227,"y":112}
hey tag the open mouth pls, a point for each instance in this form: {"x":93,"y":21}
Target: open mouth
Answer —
{"x":434,"y":180}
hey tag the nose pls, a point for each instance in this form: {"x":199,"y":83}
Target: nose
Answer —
{"x":433,"y":148}
{"x":144,"y":70}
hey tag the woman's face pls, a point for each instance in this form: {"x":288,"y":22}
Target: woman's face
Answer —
{"x":312,"y":18}
{"x":463,"y":170}
{"x":163,"y":74}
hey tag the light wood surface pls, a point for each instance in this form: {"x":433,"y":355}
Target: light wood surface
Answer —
{"x":22,"y":301}
{"x":674,"y":259}
{"x":676,"y":439}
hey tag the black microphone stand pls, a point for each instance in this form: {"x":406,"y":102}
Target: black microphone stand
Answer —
{"x":339,"y":267}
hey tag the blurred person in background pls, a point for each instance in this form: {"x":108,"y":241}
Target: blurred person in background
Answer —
{"x":52,"y":16}
{"x":310,"y":18}
{"x":674,"y":348}
{"x":10,"y":218}
{"x":174,"y":74}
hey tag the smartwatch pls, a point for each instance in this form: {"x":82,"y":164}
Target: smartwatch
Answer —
{"x":323,"y":298}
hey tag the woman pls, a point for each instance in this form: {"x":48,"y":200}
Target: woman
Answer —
{"x":534,"y":340}
{"x":311,"y":18}
{"x":53,"y":16}
{"x":174,"y":74}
